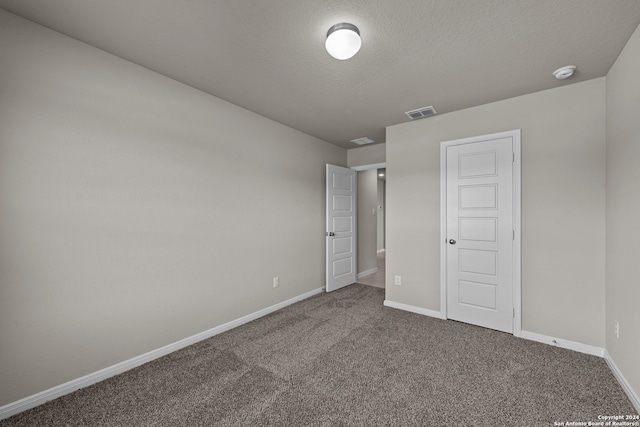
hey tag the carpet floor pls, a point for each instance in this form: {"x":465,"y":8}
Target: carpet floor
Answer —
{"x":342,"y":359}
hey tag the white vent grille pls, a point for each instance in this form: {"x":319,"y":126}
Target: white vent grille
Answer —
{"x":362,"y":141}
{"x":421,"y":112}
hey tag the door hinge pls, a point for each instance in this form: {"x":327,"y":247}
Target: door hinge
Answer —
{"x":514,"y":312}
{"x":513,"y":237}
{"x":514,"y":157}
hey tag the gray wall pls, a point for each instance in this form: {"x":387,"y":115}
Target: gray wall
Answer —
{"x":623,"y":207}
{"x":367,"y":222}
{"x":563,"y":205}
{"x":136,"y":211}
{"x":366,"y":155}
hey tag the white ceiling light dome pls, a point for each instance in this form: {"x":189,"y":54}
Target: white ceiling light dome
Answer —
{"x":564,"y":72}
{"x":343,"y":41}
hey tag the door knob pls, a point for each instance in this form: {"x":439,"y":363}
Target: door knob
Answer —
{"x":452,"y":242}
{"x":331,"y":233}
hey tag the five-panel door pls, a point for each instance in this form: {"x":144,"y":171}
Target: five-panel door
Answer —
{"x":480,"y":233}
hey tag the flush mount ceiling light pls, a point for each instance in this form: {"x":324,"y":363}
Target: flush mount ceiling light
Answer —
{"x":343,"y":41}
{"x":564,"y":72}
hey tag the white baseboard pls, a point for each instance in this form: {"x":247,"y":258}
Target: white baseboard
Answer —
{"x":413,"y":309}
{"x":367,"y":272}
{"x":95,"y":377}
{"x":558,"y":342}
{"x":631,"y":394}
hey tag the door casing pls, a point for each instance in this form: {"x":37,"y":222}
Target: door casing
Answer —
{"x":517,"y":260}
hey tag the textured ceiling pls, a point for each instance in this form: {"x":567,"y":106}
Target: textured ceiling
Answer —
{"x":269,"y":57}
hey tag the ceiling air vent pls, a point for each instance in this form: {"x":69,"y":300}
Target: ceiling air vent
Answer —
{"x":362,"y":141}
{"x":422,"y":112}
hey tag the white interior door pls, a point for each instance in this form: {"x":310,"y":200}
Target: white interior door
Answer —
{"x":341,"y":227}
{"x":480,"y":231}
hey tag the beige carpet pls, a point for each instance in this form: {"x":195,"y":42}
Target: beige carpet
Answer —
{"x":342,"y":359}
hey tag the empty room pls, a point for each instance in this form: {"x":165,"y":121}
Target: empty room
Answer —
{"x":297,"y":212}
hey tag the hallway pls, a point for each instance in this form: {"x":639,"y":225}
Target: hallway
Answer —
{"x":376,"y":279}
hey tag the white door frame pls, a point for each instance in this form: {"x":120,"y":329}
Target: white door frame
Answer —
{"x":517,"y":241}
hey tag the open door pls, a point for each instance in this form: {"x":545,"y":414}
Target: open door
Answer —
{"x":341,"y":227}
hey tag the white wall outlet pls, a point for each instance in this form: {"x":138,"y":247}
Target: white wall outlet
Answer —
{"x":398,"y":280}
{"x":276,"y":282}
{"x":616,"y":329}
{"x":373,"y":211}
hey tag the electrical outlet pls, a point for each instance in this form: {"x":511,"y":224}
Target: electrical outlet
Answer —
{"x":398,"y":280}
{"x":276,"y":282}
{"x":616,"y":329}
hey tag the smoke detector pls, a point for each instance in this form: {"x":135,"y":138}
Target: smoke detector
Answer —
{"x":564,"y":72}
{"x":421,"y":112}
{"x":362,"y":141}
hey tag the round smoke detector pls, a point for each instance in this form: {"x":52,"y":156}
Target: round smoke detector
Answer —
{"x":564,"y":72}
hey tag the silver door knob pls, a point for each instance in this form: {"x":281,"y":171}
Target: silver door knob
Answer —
{"x":452,"y":242}
{"x":331,"y":233}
